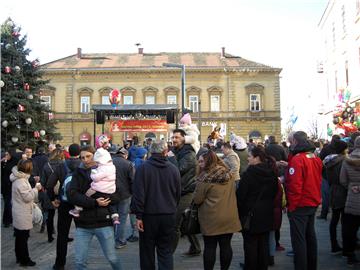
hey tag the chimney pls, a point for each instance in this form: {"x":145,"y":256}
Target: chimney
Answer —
{"x":79,"y":53}
{"x":222,"y":52}
{"x":140,"y":50}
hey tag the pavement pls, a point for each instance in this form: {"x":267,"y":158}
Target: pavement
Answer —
{"x":43,"y":253}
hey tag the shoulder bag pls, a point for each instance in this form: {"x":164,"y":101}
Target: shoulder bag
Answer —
{"x":190,"y":223}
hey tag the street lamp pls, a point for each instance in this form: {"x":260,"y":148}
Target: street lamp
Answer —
{"x":173,"y":65}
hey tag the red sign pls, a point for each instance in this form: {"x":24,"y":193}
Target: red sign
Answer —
{"x":138,"y":125}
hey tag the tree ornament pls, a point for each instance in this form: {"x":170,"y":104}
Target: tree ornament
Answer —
{"x":28,"y":121}
{"x":5,"y":123}
{"x":36,"y":134}
{"x":8,"y":46}
{"x":26,"y":87}
{"x":17,"y":68}
{"x":2,"y":84}
{"x":114,"y":97}
{"x":10,"y":23}
{"x":21,"y":108}
{"x":7,"y":69}
{"x":42,"y":132}
{"x":15,"y":34}
{"x":30,"y":96}
{"x":35,"y":63}
{"x":14,"y":139}
{"x":18,"y":126}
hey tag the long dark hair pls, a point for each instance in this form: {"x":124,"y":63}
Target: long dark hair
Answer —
{"x":259,"y":151}
{"x":211,"y":160}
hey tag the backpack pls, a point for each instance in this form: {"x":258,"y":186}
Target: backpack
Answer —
{"x":67,"y":181}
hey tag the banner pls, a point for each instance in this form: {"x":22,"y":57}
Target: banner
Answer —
{"x":138,"y":125}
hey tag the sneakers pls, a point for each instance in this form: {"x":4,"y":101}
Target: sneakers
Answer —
{"x":132,"y":238}
{"x":337,"y":250}
{"x":119,"y":245}
{"x":280,"y":248}
{"x":352,"y":261}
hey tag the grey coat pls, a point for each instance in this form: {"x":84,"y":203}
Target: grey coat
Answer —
{"x":232,"y":160}
{"x":23,"y":197}
{"x":350,"y":178}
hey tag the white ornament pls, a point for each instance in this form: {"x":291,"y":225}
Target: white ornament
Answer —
{"x":7,"y":46}
{"x":17,"y":68}
{"x":2,"y":84}
{"x":10,"y":23}
{"x":14,"y":139}
{"x":42,"y":132}
{"x":30,"y":96}
{"x":28,"y":121}
{"x":5,"y":123}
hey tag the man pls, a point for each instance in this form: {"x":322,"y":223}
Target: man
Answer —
{"x":232,"y":160}
{"x":186,"y":162}
{"x":303,"y":190}
{"x":155,"y":198}
{"x":124,"y":176}
{"x":275,"y":150}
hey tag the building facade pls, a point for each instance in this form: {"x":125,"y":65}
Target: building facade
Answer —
{"x":223,"y":90}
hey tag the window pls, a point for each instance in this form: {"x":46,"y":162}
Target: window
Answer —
{"x":85,"y":104}
{"x":149,"y":99}
{"x":254,"y":102}
{"x":46,"y":100}
{"x":194,"y":103}
{"x":105,"y":100}
{"x":171,"y":99}
{"x":128,"y":100}
{"x":343,"y":20}
{"x":215,"y":103}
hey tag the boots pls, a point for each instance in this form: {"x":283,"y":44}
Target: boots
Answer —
{"x":271,"y":261}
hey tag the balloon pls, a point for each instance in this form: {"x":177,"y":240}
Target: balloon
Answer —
{"x":336,"y":120}
{"x":115,"y":97}
{"x":345,"y":115}
{"x":329,"y":132}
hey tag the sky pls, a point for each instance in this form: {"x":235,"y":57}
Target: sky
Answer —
{"x":279,"y":33}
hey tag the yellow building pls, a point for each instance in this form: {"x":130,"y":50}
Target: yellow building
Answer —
{"x":239,"y":95}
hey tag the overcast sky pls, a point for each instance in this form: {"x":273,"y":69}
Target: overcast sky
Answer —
{"x":279,"y":33}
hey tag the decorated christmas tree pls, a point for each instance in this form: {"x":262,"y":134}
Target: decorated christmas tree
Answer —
{"x":25,"y":118}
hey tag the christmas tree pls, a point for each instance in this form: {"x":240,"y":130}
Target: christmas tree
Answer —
{"x":25,"y":118}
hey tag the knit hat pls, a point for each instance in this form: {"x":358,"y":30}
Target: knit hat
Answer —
{"x":339,"y":146}
{"x":74,"y":150}
{"x":102,"y":156}
{"x":357,"y":143}
{"x":101,"y":140}
{"x":239,"y":143}
{"x":186,"y":119}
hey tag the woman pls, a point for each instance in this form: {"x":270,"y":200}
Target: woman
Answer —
{"x":255,"y":196}
{"x":23,"y":197}
{"x":95,"y":219}
{"x":218,"y":217}
{"x":9,"y":160}
{"x":56,"y":162}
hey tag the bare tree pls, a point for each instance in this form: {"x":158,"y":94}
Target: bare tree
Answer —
{"x":314,"y":129}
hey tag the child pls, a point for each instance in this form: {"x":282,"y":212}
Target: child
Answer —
{"x":104,"y":182}
{"x":192,"y":132}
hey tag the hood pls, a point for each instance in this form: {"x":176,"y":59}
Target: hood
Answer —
{"x":18,"y":175}
{"x":73,"y":163}
{"x":332,"y":160}
{"x":159,"y":161}
{"x":354,"y":159}
{"x":262,"y":171}
{"x":140,"y":152}
{"x":192,"y":128}
{"x":303,"y":147}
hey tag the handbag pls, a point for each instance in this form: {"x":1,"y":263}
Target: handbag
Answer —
{"x":37,"y":216}
{"x":245,"y":224}
{"x":190,"y":222}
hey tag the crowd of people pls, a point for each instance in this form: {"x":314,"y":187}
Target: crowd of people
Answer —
{"x":238,"y":186}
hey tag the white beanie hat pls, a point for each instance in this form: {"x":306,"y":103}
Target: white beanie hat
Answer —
{"x":102,"y":156}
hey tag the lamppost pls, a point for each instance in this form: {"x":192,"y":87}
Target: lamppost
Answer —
{"x":173,"y":65}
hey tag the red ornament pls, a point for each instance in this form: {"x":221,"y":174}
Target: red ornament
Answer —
{"x":15,"y":34}
{"x":36,"y":134}
{"x":7,"y":69}
{"x":35,"y":63}
{"x":26,"y":87}
{"x":115,"y":97}
{"x":21,"y":108}
{"x":51,"y":116}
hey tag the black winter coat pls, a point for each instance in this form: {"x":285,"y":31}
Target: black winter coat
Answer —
{"x":186,"y":162}
{"x":124,"y":176}
{"x":92,"y":215}
{"x":253,"y":180}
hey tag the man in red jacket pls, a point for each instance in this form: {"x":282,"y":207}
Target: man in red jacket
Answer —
{"x":303,"y":191}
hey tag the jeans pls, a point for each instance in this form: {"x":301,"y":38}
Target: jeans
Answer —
{"x":325,"y":198}
{"x":226,"y":253}
{"x":272,"y":243}
{"x":303,"y":238}
{"x":123,"y":211}
{"x":134,"y":230}
{"x":105,"y":236}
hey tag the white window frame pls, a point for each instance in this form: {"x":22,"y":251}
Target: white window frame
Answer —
{"x":194,"y":104}
{"x":149,"y":99}
{"x":171,"y":99}
{"x":215,"y":103}
{"x":105,"y":100}
{"x":254,"y":103}
{"x":85,"y":104}
{"x":128,"y":99}
{"x":46,"y":100}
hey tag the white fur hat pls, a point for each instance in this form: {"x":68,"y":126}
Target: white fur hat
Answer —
{"x":240,"y":143}
{"x":102,"y":156}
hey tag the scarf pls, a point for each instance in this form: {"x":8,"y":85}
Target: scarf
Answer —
{"x":216,"y":175}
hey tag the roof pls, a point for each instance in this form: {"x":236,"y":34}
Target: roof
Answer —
{"x":125,"y":61}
